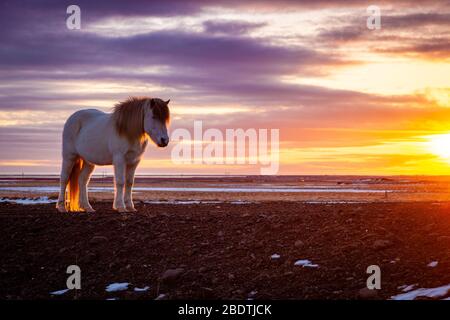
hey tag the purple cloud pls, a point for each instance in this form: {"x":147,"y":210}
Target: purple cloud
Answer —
{"x":231,"y":27}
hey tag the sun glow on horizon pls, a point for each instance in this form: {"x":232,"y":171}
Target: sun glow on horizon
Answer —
{"x":439,"y":145}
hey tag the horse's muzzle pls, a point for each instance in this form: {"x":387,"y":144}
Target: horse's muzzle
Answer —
{"x":163,"y":143}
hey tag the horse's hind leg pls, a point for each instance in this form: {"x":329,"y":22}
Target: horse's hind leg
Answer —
{"x":66,"y":168}
{"x":83,"y":180}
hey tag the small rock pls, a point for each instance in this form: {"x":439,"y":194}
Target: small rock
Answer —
{"x":98,"y":239}
{"x":366,"y":293}
{"x":171,"y":274}
{"x":220,"y":234}
{"x":381,"y":244}
{"x":298,"y":243}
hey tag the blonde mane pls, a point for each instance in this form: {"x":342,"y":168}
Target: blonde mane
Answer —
{"x":129,"y":115}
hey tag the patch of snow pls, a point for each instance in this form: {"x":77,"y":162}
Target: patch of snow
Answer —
{"x":257,"y":189}
{"x":275,"y":256}
{"x":195,"y":202}
{"x":59,"y":292}
{"x":162,"y":296}
{"x":406,"y":288}
{"x":30,"y":189}
{"x":432,"y":264}
{"x":181,"y":202}
{"x":305,"y":264}
{"x":335,"y":202}
{"x":10,"y":180}
{"x":197,"y":189}
{"x":423,"y":292}
{"x":252,"y":295}
{"x":136,"y":289}
{"x":242,"y":202}
{"x":117,"y":286}
{"x":28,"y":201}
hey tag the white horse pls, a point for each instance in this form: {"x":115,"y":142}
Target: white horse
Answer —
{"x":92,"y":137}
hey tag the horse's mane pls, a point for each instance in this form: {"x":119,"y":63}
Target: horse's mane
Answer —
{"x":129,"y":115}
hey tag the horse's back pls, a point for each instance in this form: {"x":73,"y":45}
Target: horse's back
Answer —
{"x":85,"y":115}
{"x":82,"y":117}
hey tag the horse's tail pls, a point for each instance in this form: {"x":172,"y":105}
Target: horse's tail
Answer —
{"x":73,"y":191}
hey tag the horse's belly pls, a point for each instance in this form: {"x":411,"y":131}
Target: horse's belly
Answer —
{"x":95,"y":155}
{"x":92,"y":146}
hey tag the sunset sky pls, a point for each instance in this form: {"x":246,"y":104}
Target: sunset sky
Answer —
{"x":346,"y":99}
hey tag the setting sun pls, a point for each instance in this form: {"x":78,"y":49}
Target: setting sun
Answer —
{"x":439,"y":145}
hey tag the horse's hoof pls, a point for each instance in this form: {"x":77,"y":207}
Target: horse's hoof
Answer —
{"x":89,"y":210}
{"x":61,"y":209}
{"x":131,"y":209}
{"x":121,"y":210}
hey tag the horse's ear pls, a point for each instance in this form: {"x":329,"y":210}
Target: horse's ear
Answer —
{"x":167,"y":102}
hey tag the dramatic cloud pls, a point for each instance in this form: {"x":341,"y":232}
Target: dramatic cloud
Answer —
{"x":231,"y":27}
{"x":310,"y":68}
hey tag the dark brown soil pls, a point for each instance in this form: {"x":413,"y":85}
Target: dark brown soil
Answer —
{"x":224,"y":250}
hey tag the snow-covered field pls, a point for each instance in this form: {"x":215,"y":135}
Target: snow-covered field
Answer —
{"x":249,"y":189}
{"x":410,"y":294}
{"x":28,"y":201}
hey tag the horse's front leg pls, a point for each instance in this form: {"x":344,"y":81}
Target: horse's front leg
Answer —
{"x":131,"y":169}
{"x":119,"y":183}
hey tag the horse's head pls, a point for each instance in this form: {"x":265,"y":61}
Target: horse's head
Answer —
{"x":155,"y":121}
